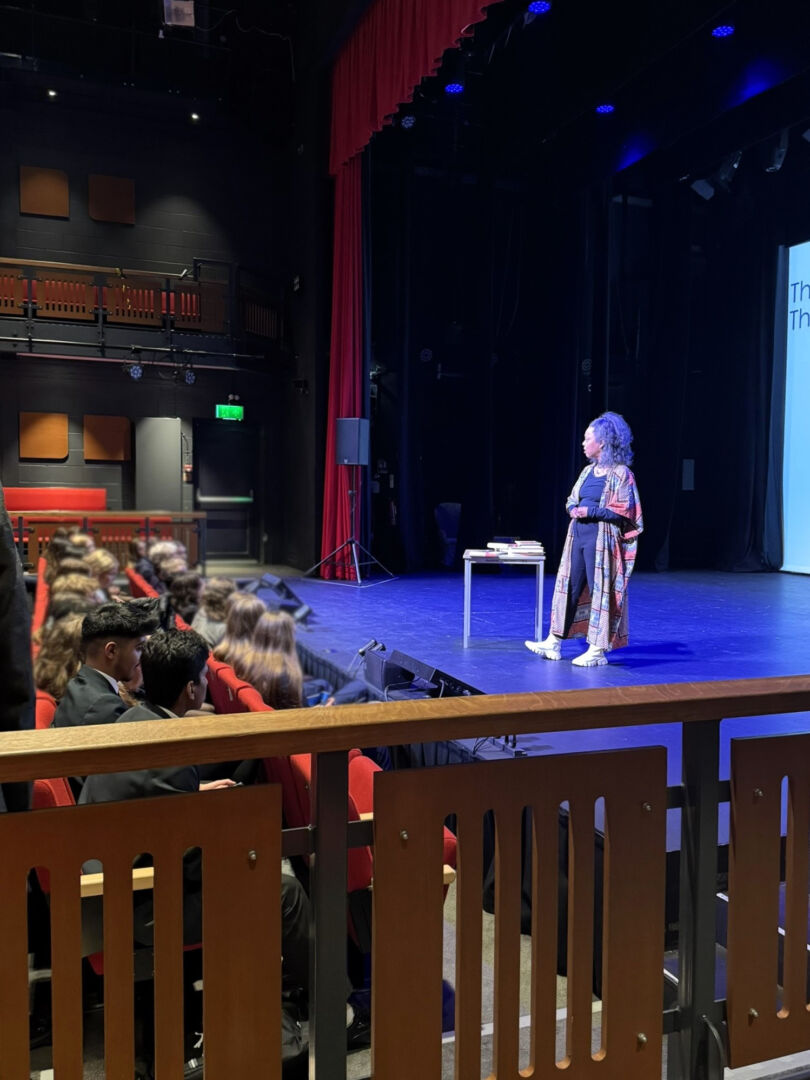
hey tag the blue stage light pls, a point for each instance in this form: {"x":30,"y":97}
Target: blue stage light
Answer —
{"x":454,"y":88}
{"x":407,"y":121}
{"x":723,"y":31}
{"x":539,"y":7}
{"x":135,"y":371}
{"x":605,"y":108}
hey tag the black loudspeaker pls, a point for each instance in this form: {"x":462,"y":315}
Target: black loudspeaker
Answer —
{"x":351,"y":441}
{"x":284,"y":599}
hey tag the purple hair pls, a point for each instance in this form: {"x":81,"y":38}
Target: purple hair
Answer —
{"x":614,"y":433}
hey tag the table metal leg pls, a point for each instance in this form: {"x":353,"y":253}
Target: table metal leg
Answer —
{"x":467,"y":583}
{"x":538,"y":603}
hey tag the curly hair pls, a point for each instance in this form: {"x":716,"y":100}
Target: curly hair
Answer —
{"x":613,"y":432}
{"x":59,"y":658}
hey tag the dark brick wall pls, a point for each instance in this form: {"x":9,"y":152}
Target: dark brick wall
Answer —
{"x":206,"y":191}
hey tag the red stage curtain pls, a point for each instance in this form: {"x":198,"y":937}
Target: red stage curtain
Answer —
{"x":345,"y":357}
{"x":396,"y":44}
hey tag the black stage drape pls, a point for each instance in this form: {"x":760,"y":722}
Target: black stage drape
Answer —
{"x":507,"y":315}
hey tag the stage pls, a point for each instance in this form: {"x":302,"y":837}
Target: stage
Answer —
{"x":684,"y":627}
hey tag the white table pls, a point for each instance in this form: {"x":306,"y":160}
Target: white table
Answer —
{"x":476,"y":557}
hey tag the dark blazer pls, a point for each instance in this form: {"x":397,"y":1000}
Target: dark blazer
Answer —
{"x":88,"y":699}
{"x":145,"y":783}
{"x":16,"y":677}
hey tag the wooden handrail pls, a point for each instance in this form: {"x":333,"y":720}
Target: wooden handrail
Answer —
{"x":123,"y":272}
{"x":199,"y":740}
{"x":143,"y":877}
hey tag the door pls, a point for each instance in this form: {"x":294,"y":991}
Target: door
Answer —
{"x":226,"y":473}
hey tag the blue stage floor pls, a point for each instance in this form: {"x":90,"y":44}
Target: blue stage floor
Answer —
{"x":684,"y":627}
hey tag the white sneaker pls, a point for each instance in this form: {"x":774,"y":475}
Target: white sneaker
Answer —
{"x":592,"y":657}
{"x":549,"y":649}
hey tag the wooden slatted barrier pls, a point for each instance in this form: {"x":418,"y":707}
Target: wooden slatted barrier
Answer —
{"x":760,"y":1026}
{"x":239,"y":835}
{"x":12,"y":285}
{"x":62,"y":295}
{"x":410,"y":809}
{"x":137,"y":301}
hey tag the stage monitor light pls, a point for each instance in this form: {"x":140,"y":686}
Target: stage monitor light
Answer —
{"x":703,"y":188}
{"x":229,"y":412}
{"x":778,"y":152}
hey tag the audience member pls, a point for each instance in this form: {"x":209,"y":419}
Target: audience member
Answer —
{"x":185,"y":589}
{"x":103,"y":566}
{"x":242,"y":612}
{"x":75,"y":583}
{"x":72,"y":564}
{"x":83,"y":540}
{"x":174,"y":674}
{"x":277,"y":677}
{"x":141,"y":564}
{"x":209,"y":622}
{"x":112,"y":638}
{"x":59,"y":657}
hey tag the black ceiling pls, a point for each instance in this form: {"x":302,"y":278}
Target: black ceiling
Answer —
{"x":682,"y":98}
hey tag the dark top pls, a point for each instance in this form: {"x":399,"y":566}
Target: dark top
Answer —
{"x":590,"y":495}
{"x":88,"y":699}
{"x":16,"y":678}
{"x":147,"y":571}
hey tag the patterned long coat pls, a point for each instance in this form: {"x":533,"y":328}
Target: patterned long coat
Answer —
{"x":603,"y":617}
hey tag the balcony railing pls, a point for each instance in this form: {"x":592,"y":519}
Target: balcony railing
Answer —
{"x":764,"y":1012}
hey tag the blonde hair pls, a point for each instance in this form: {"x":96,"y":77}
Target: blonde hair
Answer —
{"x":74,"y":583}
{"x":276,"y":676}
{"x":80,"y":539}
{"x":71,"y":565}
{"x":242,"y":612}
{"x":216,"y":594}
{"x":101,"y":562}
{"x":59,"y":657}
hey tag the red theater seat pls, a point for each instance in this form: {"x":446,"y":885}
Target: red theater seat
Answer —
{"x":45,"y":708}
{"x":138,"y":586}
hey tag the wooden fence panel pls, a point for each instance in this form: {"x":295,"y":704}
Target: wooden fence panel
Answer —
{"x":767,"y":1001}
{"x":410,"y":809}
{"x":239,"y":834}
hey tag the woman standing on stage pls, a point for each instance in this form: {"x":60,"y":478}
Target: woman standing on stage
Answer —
{"x":590,"y":593}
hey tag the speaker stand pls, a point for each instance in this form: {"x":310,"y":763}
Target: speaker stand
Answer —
{"x":352,"y":543}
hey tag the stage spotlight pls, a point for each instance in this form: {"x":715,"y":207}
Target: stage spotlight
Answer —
{"x":778,"y":152}
{"x":195,"y":117}
{"x":453,"y":72}
{"x":605,"y":109}
{"x":726,"y":30}
{"x":407,"y":121}
{"x":135,"y":371}
{"x":728,"y":170}
{"x":454,"y":88}
{"x":189,"y":375}
{"x":703,"y":188}
{"x":52,"y":94}
{"x":539,"y":7}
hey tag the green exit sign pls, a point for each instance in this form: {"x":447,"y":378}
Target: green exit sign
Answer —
{"x":230,"y":412}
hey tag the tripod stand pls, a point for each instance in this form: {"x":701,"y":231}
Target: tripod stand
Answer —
{"x":352,"y":543}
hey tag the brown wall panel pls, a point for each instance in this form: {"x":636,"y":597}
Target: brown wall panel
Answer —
{"x":112,"y":198}
{"x":107,"y":438}
{"x":44,"y":191}
{"x":44,"y":435}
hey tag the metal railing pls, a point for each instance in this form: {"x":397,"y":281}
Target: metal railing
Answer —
{"x":766,"y":1010}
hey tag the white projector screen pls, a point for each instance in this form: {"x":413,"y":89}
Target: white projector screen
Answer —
{"x":795,"y":479}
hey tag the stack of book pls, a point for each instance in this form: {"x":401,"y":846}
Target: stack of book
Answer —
{"x":517,"y":549}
